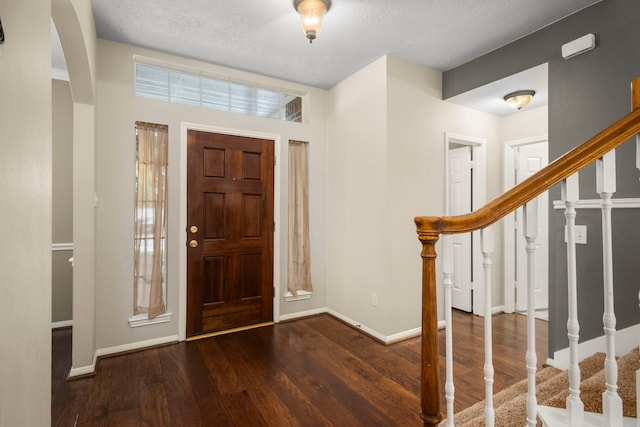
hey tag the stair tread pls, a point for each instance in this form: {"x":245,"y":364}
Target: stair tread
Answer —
{"x":556,"y":417}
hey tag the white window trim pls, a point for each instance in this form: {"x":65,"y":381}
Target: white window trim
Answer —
{"x":143,"y":320}
{"x":302,"y":295}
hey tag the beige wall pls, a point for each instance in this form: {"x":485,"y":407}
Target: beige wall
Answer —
{"x":25,"y":214}
{"x":62,"y":194}
{"x":525,"y":124}
{"x":418,"y":120}
{"x":118,"y":110}
{"x":376,"y":161}
{"x":386,"y":140}
{"x":358,"y":199}
{"x":75,"y":26}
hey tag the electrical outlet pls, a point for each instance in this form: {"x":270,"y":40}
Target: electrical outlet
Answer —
{"x":374,"y":300}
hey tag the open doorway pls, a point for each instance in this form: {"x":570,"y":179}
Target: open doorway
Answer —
{"x":62,"y":189}
{"x":465,"y":190}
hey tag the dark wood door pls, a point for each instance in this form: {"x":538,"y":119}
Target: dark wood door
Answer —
{"x":229,"y":231}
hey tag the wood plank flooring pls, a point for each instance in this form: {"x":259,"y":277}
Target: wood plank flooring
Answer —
{"x":310,"y":372}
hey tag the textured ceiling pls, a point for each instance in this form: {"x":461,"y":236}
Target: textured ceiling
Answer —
{"x":264,"y":36}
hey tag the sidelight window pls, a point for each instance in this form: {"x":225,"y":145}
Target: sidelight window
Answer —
{"x":299,"y":256}
{"x":150,"y":236}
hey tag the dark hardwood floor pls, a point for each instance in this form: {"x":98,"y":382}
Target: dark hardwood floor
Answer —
{"x":310,"y":372}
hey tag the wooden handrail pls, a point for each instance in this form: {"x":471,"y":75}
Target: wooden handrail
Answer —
{"x":536,"y":184}
{"x":429,"y":230}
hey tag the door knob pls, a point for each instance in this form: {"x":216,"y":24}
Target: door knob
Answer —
{"x":193,"y":243}
{"x":193,"y":229}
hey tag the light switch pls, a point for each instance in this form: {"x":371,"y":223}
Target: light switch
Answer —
{"x":580,"y":233}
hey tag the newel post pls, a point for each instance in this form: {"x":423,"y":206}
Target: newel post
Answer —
{"x":430,"y":367}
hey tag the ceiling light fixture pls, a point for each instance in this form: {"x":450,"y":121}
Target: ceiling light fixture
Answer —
{"x":519,"y":99}
{"x":311,"y":14}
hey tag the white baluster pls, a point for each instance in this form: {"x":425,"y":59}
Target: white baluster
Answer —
{"x":575,"y":407}
{"x":447,"y":268}
{"x":530,"y":235}
{"x":486,"y":237}
{"x":606,"y":186}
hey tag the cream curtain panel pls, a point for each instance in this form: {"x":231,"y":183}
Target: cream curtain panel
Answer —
{"x":299,"y":263}
{"x":150,"y":219}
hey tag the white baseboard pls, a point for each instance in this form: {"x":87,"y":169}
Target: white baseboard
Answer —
{"x":300,"y":314}
{"x":386,"y":339}
{"x":61,"y":324}
{"x":373,"y":333}
{"x":497,"y":309}
{"x":405,"y":335}
{"x":84,"y":370}
{"x":626,"y":340}
{"x":139,"y":345}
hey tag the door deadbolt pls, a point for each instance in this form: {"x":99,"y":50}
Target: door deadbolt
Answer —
{"x":193,"y":243}
{"x":193,"y":229}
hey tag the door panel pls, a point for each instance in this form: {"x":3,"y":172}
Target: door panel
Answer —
{"x":460,"y":203}
{"x":530,"y":159}
{"x":230,"y":222}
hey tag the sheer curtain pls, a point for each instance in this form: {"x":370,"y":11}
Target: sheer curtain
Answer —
{"x":150,"y":219}
{"x":299,"y":263}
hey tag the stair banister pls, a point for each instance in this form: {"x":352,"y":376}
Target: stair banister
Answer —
{"x":429,"y":229}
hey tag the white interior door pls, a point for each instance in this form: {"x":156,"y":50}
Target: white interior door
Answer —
{"x":460,"y":186}
{"x":528,"y":160}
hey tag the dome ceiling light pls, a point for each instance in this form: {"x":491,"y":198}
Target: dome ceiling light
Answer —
{"x":519,"y":99}
{"x":311,"y":14}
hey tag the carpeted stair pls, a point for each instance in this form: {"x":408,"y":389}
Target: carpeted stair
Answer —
{"x":552,"y":390}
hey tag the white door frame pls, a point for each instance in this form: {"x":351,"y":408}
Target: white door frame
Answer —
{"x":182,"y":265}
{"x":478,"y":196}
{"x":509,"y":179}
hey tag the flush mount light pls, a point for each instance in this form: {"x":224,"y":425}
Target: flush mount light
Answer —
{"x":519,"y":99}
{"x":311,"y":14}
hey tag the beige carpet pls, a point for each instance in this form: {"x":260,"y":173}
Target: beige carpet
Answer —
{"x":553,"y":388}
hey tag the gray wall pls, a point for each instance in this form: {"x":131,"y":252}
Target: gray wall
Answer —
{"x":586,"y":94}
{"x":62,"y":198}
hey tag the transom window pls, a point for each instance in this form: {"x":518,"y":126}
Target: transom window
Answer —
{"x":193,"y":89}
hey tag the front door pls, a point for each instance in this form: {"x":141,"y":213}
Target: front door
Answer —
{"x":229,"y":231}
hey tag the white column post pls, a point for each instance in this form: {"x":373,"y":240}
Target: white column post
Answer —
{"x":575,"y":406}
{"x":447,"y":268}
{"x":530,"y":235}
{"x":606,"y":186}
{"x":486,"y":236}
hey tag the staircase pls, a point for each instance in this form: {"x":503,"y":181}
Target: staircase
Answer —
{"x":552,"y":390}
{"x":549,"y":397}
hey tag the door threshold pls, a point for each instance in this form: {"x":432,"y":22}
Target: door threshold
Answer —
{"x":229,"y":331}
